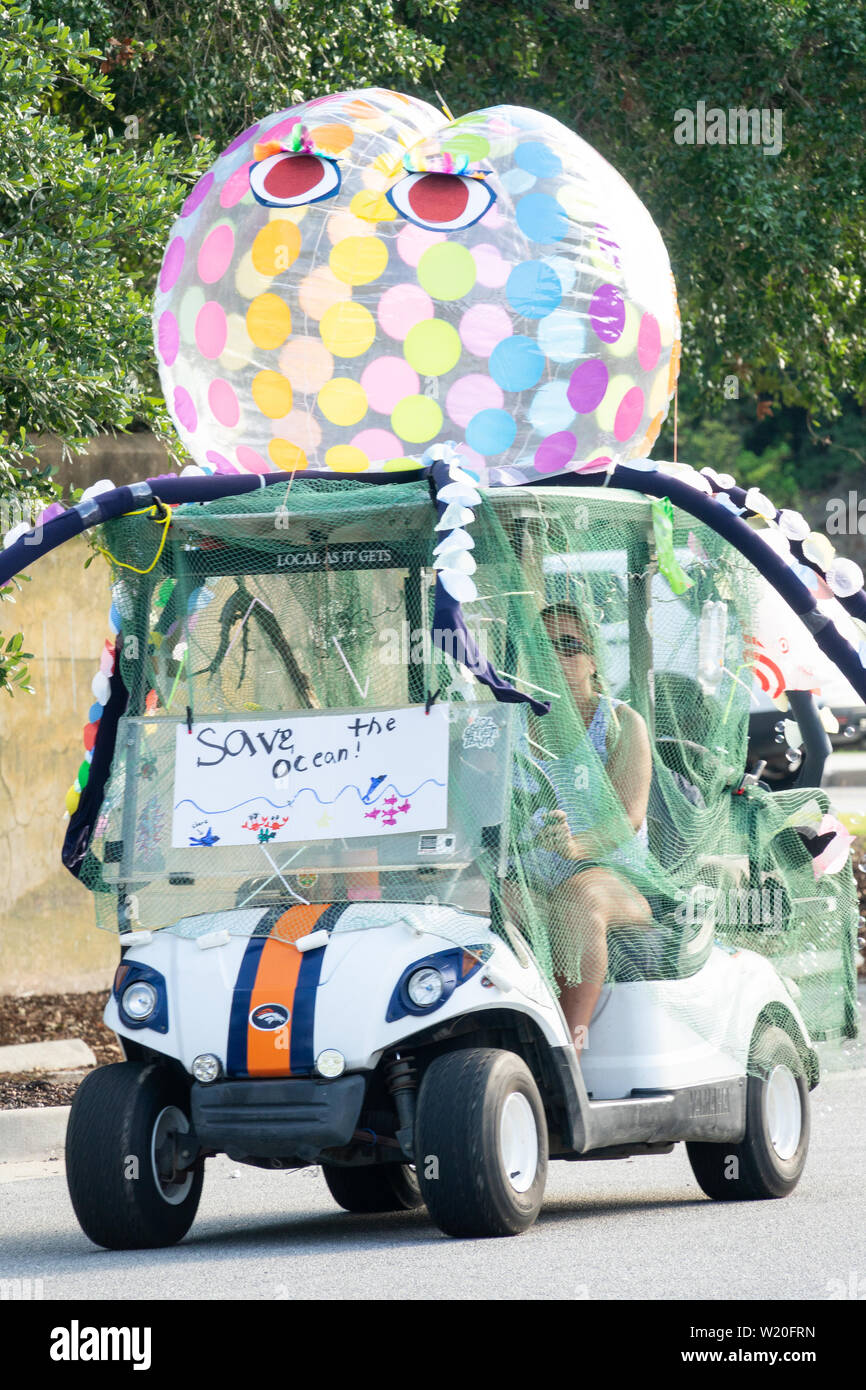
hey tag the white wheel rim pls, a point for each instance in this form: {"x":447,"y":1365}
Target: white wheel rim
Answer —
{"x":784,"y":1111}
{"x":518,"y":1142}
{"x":169,"y":1121}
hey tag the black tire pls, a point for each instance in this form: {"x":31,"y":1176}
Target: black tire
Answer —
{"x":459,"y":1155}
{"x":116,"y":1194}
{"x":759,"y":1171}
{"x":381,"y":1187}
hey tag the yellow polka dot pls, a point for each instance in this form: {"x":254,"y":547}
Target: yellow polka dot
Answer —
{"x":269,"y":321}
{"x":286,"y":455}
{"x":239,"y":345}
{"x":389,"y":164}
{"x":248,"y":281}
{"x":347,"y":329}
{"x":358,"y":260}
{"x":399,"y":465}
{"x":272,"y":394}
{"x":372,"y":207}
{"x":616,"y":389}
{"x":627,"y":340}
{"x":320,"y":291}
{"x":573,"y":202}
{"x":307,"y":364}
{"x":276,"y":247}
{"x":345,"y":458}
{"x":658,"y":396}
{"x":416,"y":419}
{"x":332,"y":139}
{"x":343,"y":401}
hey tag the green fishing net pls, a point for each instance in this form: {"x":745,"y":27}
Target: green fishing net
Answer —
{"x":268,"y":615}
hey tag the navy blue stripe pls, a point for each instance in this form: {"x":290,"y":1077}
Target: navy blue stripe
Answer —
{"x":302,"y":1055}
{"x":236,"y":1047}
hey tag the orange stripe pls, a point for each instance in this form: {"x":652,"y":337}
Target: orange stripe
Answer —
{"x":276,"y":980}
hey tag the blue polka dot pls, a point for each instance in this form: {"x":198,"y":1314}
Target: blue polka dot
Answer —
{"x":491,"y":431}
{"x":550,"y":409}
{"x":114,"y":617}
{"x":541,"y":217}
{"x":516,"y":363}
{"x":517,"y":181}
{"x":562,"y":335}
{"x":533,"y":289}
{"x":94,"y":713}
{"x":537,"y":158}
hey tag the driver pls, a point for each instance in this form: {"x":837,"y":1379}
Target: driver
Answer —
{"x":580,"y":898}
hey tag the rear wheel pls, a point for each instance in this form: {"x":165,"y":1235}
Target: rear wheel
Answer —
{"x":770,"y":1159}
{"x":380,"y":1187}
{"x":481,"y":1143}
{"x":124,"y":1168}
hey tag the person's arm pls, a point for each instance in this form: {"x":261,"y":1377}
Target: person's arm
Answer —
{"x":629,"y":769}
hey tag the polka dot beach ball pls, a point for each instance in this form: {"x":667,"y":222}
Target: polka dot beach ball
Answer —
{"x":358,"y":278}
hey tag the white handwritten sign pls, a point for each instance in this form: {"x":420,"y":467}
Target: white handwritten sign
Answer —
{"x":311,"y":777}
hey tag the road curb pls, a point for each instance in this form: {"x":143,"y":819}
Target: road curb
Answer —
{"x":33,"y":1133}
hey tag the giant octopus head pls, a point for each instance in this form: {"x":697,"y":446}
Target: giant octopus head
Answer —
{"x":359,"y":277}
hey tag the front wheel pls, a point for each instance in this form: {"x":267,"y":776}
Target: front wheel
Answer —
{"x":378,"y":1187}
{"x":124,"y":1167}
{"x":481,"y":1143}
{"x":770,"y":1159}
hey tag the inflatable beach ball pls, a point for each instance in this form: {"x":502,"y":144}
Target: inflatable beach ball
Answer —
{"x":358,"y":278}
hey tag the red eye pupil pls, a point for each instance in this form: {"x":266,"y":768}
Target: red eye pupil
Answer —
{"x":438,"y":198}
{"x":293,"y":176}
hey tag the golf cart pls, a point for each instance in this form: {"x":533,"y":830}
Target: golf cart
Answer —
{"x":306,"y":815}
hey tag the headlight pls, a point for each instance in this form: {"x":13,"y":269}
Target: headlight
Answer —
{"x":330,"y":1062}
{"x":425,"y":987}
{"x":139,"y":1000}
{"x":206,"y":1068}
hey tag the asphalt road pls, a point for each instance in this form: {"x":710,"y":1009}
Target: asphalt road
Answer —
{"x":636,"y":1228}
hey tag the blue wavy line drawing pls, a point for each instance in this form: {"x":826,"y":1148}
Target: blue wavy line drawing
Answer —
{"x":286,"y":805}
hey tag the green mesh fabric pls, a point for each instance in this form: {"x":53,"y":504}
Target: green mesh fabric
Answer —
{"x":625,"y":800}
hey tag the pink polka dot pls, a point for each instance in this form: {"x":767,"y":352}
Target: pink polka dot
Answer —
{"x":215,"y":254}
{"x":493,"y":271}
{"x":251,"y":462}
{"x":492,"y":218}
{"x":483,"y":326}
{"x":554,"y":452}
{"x":596,"y":465}
{"x":167,"y":338}
{"x":223,"y":402}
{"x":276,"y":132}
{"x":401,"y":307}
{"x":198,"y":195}
{"x":628,"y":414}
{"x":378,"y":444}
{"x":184,"y":409}
{"x":241,"y":139}
{"x":211,"y":329}
{"x":469,"y":395}
{"x":386,"y":381}
{"x":220,"y":463}
{"x":413,"y":241}
{"x":171,"y":266}
{"x":649,"y":342}
{"x":236,"y":185}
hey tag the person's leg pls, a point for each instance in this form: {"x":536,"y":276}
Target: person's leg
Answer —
{"x":581,"y":911}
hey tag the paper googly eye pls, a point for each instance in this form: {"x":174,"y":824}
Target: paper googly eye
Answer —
{"x":292,"y":180}
{"x":441,"y":202}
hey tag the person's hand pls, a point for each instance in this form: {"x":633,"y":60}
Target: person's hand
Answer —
{"x":555,"y":835}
